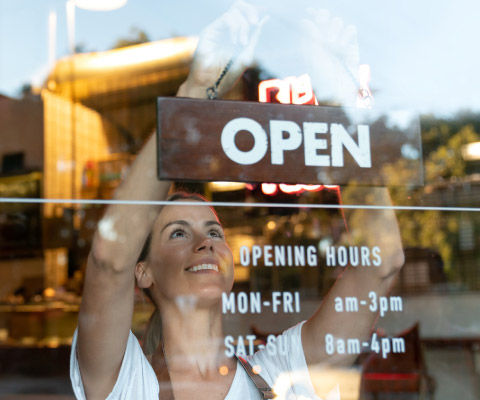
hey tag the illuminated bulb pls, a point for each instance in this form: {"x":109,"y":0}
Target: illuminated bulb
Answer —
{"x":271,"y":225}
{"x":471,"y":151}
{"x":52,"y":85}
{"x":53,"y":342}
{"x":223,"y":370}
{"x":269,"y":188}
{"x":256,"y":369}
{"x":312,"y":188}
{"x":290,"y":189}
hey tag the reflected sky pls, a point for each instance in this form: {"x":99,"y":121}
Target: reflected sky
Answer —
{"x":422,"y":54}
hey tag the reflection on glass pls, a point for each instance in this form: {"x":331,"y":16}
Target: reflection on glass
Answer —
{"x":106,"y":100}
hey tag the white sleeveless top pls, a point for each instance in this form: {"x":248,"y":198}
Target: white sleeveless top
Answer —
{"x":282,"y":365}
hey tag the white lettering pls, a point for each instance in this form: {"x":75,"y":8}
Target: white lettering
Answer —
{"x":260,"y":146}
{"x":341,"y":138}
{"x":352,"y":255}
{"x":288,"y":136}
{"x":377,"y":260}
{"x":276,"y":301}
{"x":311,"y":256}
{"x":299,"y":256}
{"x":244,"y":256}
{"x":255,"y":302}
{"x":230,"y":351}
{"x":280,"y":255}
{"x":256,"y":254}
{"x":241,"y":351}
{"x":271,"y":345}
{"x":289,"y":255}
{"x":365,"y":255}
{"x":279,"y":143}
{"x":228,"y":303}
{"x":330,"y":253}
{"x":313,"y":144}
{"x":251,"y":339}
{"x":287,"y":302}
{"x":342,"y":256}
{"x":338,"y":304}
{"x":242,"y":301}
{"x":267,"y":258}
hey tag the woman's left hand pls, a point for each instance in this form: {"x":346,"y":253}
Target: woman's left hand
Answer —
{"x":229,"y":40}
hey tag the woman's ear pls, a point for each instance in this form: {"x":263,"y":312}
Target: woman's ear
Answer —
{"x":142,"y":274}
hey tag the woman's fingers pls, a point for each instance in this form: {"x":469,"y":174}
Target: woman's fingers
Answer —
{"x":331,"y":48}
{"x":246,"y":56}
{"x":230,"y":39}
{"x":226,"y":47}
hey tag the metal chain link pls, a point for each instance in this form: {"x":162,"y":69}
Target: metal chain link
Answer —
{"x":212,"y":91}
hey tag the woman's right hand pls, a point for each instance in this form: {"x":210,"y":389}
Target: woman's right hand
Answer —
{"x":229,"y":39}
{"x":331,"y":50}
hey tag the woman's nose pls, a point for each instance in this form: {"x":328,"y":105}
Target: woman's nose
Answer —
{"x":204,"y":243}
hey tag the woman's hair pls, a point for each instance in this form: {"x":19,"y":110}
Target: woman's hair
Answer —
{"x":153,"y":333}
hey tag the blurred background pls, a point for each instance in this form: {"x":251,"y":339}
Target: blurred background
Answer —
{"x":78,"y":84}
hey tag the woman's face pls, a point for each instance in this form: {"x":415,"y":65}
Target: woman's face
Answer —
{"x":189,"y":257}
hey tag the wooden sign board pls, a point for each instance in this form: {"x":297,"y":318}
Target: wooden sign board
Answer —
{"x":215,"y":140}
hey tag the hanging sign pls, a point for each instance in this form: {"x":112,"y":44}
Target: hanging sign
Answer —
{"x":218,"y":140}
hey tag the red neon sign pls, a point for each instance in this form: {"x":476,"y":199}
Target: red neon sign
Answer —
{"x":291,"y":90}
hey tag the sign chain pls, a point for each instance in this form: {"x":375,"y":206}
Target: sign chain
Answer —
{"x":212,"y":91}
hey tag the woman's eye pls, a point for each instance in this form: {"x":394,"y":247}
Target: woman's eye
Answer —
{"x":178,"y":233}
{"x":215,"y":234}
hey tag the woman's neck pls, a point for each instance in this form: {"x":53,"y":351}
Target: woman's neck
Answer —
{"x":193,"y":339}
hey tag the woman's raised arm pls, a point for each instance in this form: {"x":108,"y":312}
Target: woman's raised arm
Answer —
{"x":332,"y":48}
{"x":107,"y":303}
{"x":377,"y":230}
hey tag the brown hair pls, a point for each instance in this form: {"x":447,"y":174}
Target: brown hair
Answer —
{"x":153,"y":333}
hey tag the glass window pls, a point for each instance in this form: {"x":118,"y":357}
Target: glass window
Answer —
{"x":238,"y":199}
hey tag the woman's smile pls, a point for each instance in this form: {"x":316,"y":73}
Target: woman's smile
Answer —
{"x":204,"y":268}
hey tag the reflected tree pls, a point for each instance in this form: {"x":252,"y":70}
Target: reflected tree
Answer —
{"x":135,"y":36}
{"x":445,"y":171}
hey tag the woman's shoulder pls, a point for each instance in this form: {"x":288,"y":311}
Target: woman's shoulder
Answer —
{"x":135,"y":378}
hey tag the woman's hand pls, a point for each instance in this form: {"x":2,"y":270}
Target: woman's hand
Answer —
{"x":228,"y":41}
{"x":331,"y":50}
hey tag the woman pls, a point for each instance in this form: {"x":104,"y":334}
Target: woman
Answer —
{"x":186,"y":268}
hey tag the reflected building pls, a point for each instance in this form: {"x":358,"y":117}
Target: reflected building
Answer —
{"x":21,"y":176}
{"x":99,"y":109}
